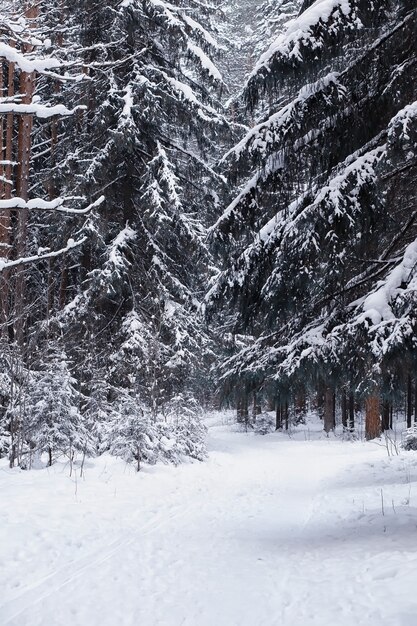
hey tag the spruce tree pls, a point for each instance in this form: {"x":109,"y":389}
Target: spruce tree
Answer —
{"x":327,"y":213}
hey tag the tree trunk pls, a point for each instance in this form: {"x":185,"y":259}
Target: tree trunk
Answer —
{"x":242,"y":409}
{"x":409,"y":408}
{"x":415,"y":400}
{"x":300,"y":403}
{"x":256,"y":408}
{"x":27,"y":88}
{"x":328,"y":414}
{"x":278,"y":415}
{"x":372,"y":417}
{"x":286,"y":415}
{"x":385,"y":425}
{"x":6,"y":193}
{"x":351,"y":412}
{"x":344,"y":406}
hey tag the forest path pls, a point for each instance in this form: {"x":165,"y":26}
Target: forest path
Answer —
{"x":269,"y":531}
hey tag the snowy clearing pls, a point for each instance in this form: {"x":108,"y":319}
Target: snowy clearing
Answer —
{"x":272,"y":530}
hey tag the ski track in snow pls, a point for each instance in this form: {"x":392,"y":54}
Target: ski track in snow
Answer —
{"x":269,"y":531}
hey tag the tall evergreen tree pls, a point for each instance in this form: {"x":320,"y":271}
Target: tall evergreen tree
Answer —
{"x":322,"y":234}
{"x":128,"y":188}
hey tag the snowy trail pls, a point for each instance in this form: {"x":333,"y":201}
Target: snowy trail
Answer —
{"x":270,"y":531}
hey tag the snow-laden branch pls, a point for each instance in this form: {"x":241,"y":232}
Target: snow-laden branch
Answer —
{"x":24,"y":63}
{"x":270,"y":131}
{"x":39,"y":110}
{"x":301,"y":32}
{"x":71,"y":244}
{"x":377,"y":306}
{"x":39,"y":204}
{"x":205,"y":62}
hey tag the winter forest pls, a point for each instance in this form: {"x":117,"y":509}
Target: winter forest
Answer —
{"x":208,"y":232}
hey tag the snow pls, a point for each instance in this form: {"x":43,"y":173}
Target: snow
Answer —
{"x":26,"y":64}
{"x":208,"y":38}
{"x":377,"y":306}
{"x":298,"y":530}
{"x":206,"y":63}
{"x":267,"y":132}
{"x":71,"y":244}
{"x":48,"y":205}
{"x":40,"y":110}
{"x":404,"y":118}
{"x":299,"y":32}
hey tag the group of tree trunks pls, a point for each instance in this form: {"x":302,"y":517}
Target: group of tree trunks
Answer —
{"x":377,"y":411}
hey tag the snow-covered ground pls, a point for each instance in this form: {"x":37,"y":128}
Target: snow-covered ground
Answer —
{"x":273,"y":530}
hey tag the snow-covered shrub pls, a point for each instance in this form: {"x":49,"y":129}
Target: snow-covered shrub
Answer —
{"x":265,"y":423}
{"x":409,"y":441}
{"x":47,"y":413}
{"x":183,"y":417}
{"x":137,"y":435}
{"x":4,"y":441}
{"x":133,"y":436}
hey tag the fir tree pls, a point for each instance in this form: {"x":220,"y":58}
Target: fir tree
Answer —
{"x":324,"y":215}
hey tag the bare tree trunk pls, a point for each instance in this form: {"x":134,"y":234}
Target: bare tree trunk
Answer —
{"x":385,"y":424}
{"x":300,"y":405}
{"x":409,"y":408}
{"x":328,"y":415}
{"x":351,"y":412}
{"x":27,"y":88}
{"x":6,"y":193}
{"x":286,"y":415}
{"x":242,"y":408}
{"x":256,"y":408}
{"x":278,"y":415}
{"x":415,"y":400}
{"x":344,"y":403}
{"x":372,"y":417}
{"x":320,"y":399}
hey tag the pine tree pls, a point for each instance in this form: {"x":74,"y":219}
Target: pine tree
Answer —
{"x":48,"y":409}
{"x":124,"y":189}
{"x":328,"y":209}
{"x":147,"y":137}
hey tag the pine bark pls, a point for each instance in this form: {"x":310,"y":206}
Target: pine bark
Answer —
{"x":372,"y":417}
{"x":6,"y":193}
{"x":27,"y":88}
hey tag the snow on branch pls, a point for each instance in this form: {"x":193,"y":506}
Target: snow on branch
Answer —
{"x":208,"y":38}
{"x":39,"y":110}
{"x":71,"y":244}
{"x":39,"y":204}
{"x":275,"y":127}
{"x":377,"y":306}
{"x":185,"y":93}
{"x":206,"y":63}
{"x":403,"y":120}
{"x":24,"y":63}
{"x":304,"y":31}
